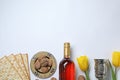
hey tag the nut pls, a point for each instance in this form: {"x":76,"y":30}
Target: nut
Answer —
{"x":43,"y":69}
{"x":81,"y":77}
{"x":50,"y":62}
{"x":53,"y":78}
{"x":37,"y":64}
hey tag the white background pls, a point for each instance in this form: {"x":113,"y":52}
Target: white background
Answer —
{"x":91,"y":26}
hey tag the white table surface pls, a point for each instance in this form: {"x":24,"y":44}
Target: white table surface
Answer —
{"x":29,"y":26}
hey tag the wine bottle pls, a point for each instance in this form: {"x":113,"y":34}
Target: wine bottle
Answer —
{"x":66,"y":66}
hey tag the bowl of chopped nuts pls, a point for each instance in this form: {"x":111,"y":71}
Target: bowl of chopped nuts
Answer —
{"x":43,"y":64}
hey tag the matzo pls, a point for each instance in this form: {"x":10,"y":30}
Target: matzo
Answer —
{"x":25,"y":60}
{"x":8,"y":71}
{"x":20,"y":61}
{"x":3,"y":68}
{"x":13,"y":61}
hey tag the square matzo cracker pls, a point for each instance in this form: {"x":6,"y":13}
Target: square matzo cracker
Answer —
{"x":25,"y":60}
{"x":13,"y":61}
{"x":7,"y":70}
{"x":21,"y":63}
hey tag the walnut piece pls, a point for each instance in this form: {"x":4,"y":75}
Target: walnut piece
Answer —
{"x":81,"y":77}
{"x":43,"y":69}
{"x":37,"y":64}
{"x":53,"y":78}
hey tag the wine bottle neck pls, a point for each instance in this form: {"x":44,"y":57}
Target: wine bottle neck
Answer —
{"x":66,"y":50}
